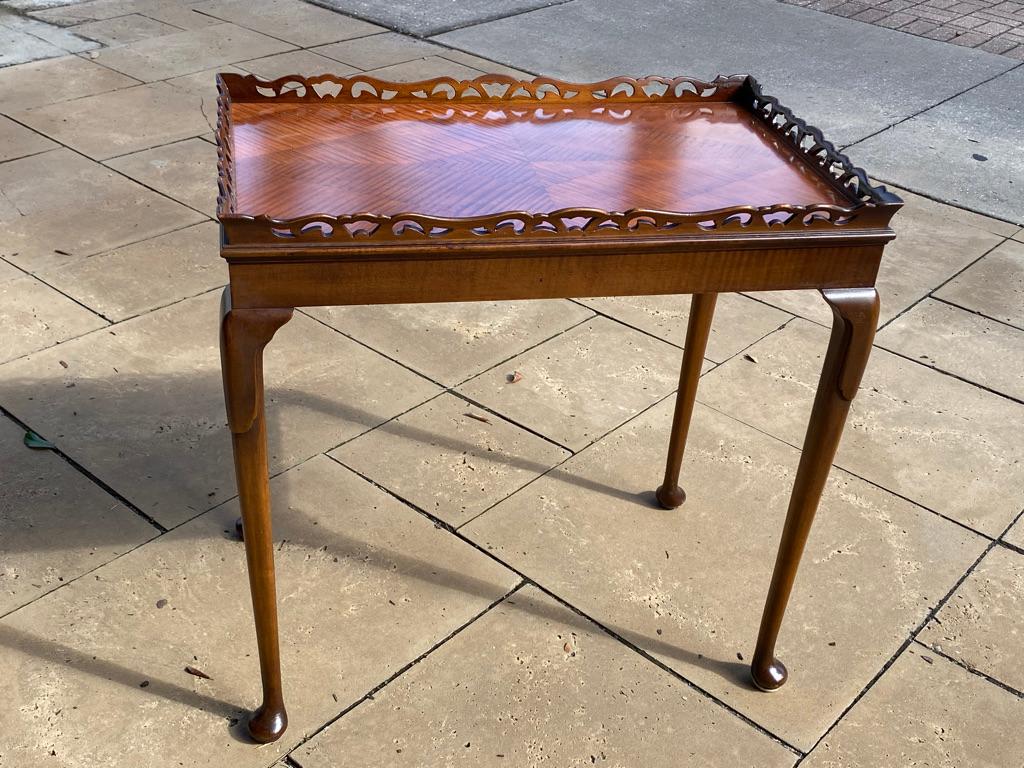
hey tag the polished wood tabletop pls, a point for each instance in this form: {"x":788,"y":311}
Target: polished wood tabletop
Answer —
{"x":474,"y":158}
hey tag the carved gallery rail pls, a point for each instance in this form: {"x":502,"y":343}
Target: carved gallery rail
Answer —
{"x":353,"y":190}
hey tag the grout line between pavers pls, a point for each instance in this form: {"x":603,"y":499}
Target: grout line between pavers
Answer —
{"x":439,"y":523}
{"x":973,"y":670}
{"x":912,"y":638}
{"x":953,"y":375}
{"x":979,"y":313}
{"x":391,"y":678}
{"x":37,"y":278}
{"x":939,"y":103}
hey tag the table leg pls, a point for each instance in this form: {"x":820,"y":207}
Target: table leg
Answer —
{"x":855,"y":317}
{"x":244,"y":334}
{"x":702,"y":309}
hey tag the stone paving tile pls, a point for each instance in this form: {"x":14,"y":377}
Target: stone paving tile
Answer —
{"x":380,"y":50}
{"x":739,"y":321}
{"x":938,"y":441}
{"x":176,"y":265}
{"x":18,"y":141}
{"x":962,"y":343}
{"x":581,"y":384}
{"x":1015,"y":536}
{"x":97,"y":210}
{"x":965,"y":150}
{"x":532,"y":682}
{"x":191,"y":51}
{"x":428,"y":17}
{"x":576,"y":41}
{"x":204,"y":85}
{"x":175,"y":12}
{"x":18,"y":47}
{"x":982,"y":625}
{"x":486,"y":65}
{"x":185,"y":171}
{"x":927,"y":712}
{"x":120,"y":122}
{"x":55,"y":524}
{"x":34,"y":316}
{"x":450,"y":342}
{"x":448,"y":463}
{"x":300,"y":23}
{"x":994,"y":286}
{"x":124,"y":29}
{"x":425,"y":69}
{"x":933,"y":242}
{"x":365,"y":586}
{"x":146,"y":412}
{"x":65,"y":40}
{"x":47,"y":82}
{"x":295,"y":63}
{"x":688,"y":585}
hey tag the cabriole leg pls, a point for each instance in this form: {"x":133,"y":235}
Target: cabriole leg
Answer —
{"x":855,"y":317}
{"x":244,"y":334}
{"x":702,"y":309}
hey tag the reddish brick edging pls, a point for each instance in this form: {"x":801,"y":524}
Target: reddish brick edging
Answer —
{"x":993,"y":26}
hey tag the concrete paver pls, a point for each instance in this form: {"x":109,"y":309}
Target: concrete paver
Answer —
{"x":930,"y":438}
{"x":926,"y":710}
{"x":428,"y":17}
{"x":982,"y":625}
{"x":962,"y":343}
{"x":365,"y":584}
{"x":448,"y":463}
{"x":302,"y":24}
{"x":993,"y":287}
{"x":532,"y":682}
{"x":185,"y":171}
{"x":55,"y":524}
{"x":688,"y":585}
{"x":54,"y":80}
{"x":18,"y":141}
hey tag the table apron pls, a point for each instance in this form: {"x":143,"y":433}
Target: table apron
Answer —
{"x":289,"y":283}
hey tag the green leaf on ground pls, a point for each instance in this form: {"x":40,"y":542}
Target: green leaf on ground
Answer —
{"x":32,"y":440}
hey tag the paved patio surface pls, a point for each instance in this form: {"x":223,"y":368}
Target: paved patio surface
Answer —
{"x":502,"y":592}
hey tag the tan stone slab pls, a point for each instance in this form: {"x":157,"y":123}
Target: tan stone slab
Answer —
{"x":34,"y":316}
{"x":175,"y":12}
{"x":365,"y":585}
{"x":383,"y":50}
{"x":146,"y":412}
{"x":17,"y":46}
{"x":185,"y":171}
{"x":688,"y":585}
{"x":138,"y":278}
{"x":994,"y":286}
{"x":183,"y":53}
{"x":1015,"y":535}
{"x":453,"y":341}
{"x":1019,"y":235}
{"x":531,"y":682}
{"x":18,"y":141}
{"x":962,"y":343}
{"x":425,"y":69}
{"x":55,"y":524}
{"x":204,"y":85}
{"x":61,"y":207}
{"x":303,"y":24}
{"x":927,"y":712}
{"x":933,"y":242}
{"x":982,"y":625}
{"x":117,"y":123}
{"x":447,"y":462}
{"x":295,"y":63}
{"x":485,"y":65}
{"x":54,"y":80}
{"x":739,"y":321}
{"x":941,"y":442}
{"x":124,"y":29}
{"x":581,"y":384}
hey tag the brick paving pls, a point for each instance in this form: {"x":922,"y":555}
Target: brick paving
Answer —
{"x":996,"y":27}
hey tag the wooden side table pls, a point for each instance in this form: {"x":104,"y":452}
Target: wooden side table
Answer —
{"x":353,"y":190}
